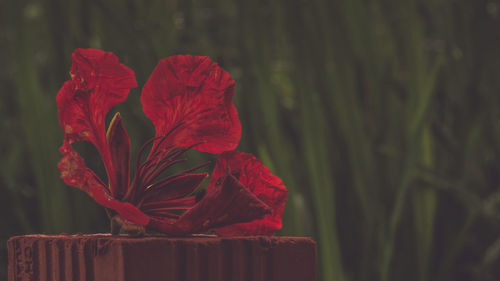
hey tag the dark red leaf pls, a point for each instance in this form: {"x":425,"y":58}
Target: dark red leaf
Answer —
{"x":257,"y":178}
{"x":197,"y":93}
{"x":119,"y":146}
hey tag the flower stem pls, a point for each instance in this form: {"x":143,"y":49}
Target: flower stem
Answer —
{"x":115,"y":225}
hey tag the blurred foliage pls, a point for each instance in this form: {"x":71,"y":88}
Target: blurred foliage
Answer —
{"x":382,"y":118}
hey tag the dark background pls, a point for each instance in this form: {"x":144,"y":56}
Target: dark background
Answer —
{"x":382,"y":118}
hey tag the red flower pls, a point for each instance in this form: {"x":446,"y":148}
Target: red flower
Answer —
{"x":188,"y":98}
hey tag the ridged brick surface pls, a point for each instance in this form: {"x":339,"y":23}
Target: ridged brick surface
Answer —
{"x":102,"y":257}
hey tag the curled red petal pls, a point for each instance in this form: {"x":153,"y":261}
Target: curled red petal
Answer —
{"x":195,"y":92}
{"x":226,"y":203}
{"x":99,"y":81}
{"x":261,"y":182}
{"x":76,"y":174}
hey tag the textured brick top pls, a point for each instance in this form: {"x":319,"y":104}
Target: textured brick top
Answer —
{"x":102,"y":257}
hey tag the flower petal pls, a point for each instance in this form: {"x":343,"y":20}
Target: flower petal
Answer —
{"x":261,"y":182}
{"x":195,"y":93}
{"x":75,"y":173}
{"x":226,"y":203}
{"x":98,"y":83}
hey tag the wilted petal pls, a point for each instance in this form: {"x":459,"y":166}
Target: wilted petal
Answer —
{"x":197,"y":93}
{"x":257,"y":178}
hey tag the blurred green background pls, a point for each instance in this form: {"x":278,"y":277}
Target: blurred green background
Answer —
{"x":382,"y":118}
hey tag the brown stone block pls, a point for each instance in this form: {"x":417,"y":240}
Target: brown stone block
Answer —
{"x":102,"y":257}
